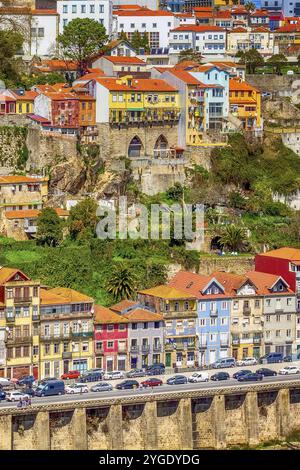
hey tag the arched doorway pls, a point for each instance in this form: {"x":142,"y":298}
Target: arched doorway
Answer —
{"x":161,"y":147}
{"x":135,"y":147}
{"x":215,"y":244}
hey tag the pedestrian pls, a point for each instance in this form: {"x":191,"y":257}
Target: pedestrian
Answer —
{"x":19,"y":405}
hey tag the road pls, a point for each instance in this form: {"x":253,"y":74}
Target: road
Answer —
{"x":189,"y":387}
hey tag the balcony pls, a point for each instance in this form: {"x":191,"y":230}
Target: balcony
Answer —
{"x":83,"y":334}
{"x":156,"y":347}
{"x":52,"y":337}
{"x":145,"y":348}
{"x":22,"y":300}
{"x":256,"y":340}
{"x":235,"y":341}
{"x":134,"y":349}
{"x":10,"y":318}
{"x":36,"y":317}
{"x":19,"y":340}
{"x":99,"y":351}
{"x":169,"y":347}
{"x":213,"y":312}
{"x":66,"y":355}
{"x":191,"y":346}
{"x":122,"y":349}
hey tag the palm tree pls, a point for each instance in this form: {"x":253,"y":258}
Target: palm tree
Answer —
{"x":122,"y":282}
{"x":233,"y":237}
{"x":249,"y":6}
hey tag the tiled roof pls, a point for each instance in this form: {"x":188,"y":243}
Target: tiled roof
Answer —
{"x":124,"y":60}
{"x":72,"y":295}
{"x":187,"y":78}
{"x":238,"y":30}
{"x":288,"y":28}
{"x":27,"y":96}
{"x":260,"y":29}
{"x":143,"y":12}
{"x":292,"y":254}
{"x":189,"y":282}
{"x":166,"y":292}
{"x":60,"y":96}
{"x":145,"y":84}
{"x":4,"y":97}
{"x":198,"y":28}
{"x":264,"y":282}
{"x":142,"y":315}
{"x":15,"y":179}
{"x":44,"y":12}
{"x":260,"y":13}
{"x":32,"y":213}
{"x":7,"y":273}
{"x":123,"y":305}
{"x":48,"y":297}
{"x":103,"y":315}
{"x":237,"y":85}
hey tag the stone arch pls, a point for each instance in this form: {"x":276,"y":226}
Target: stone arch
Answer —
{"x":215,"y":243}
{"x":135,"y":147}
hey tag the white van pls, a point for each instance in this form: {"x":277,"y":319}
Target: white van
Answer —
{"x":198,"y":377}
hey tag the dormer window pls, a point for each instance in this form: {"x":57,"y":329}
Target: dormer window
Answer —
{"x":208,"y":291}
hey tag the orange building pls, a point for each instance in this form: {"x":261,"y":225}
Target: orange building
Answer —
{"x":245,"y":103}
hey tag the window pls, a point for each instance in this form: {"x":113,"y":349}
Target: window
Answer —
{"x":145,"y":326}
{"x":156,"y":324}
{"x":83,"y":8}
{"x":176,"y":306}
{"x":110,"y":344}
{"x":47,"y":369}
{"x":202,"y":322}
{"x":132,"y":25}
{"x":110,"y":327}
{"x":224,"y":305}
{"x":278,"y":333}
{"x":257,"y":303}
{"x":235,"y":305}
{"x":56,"y":348}
{"x":186,"y":305}
{"x":122,"y":327}
{"x":268,"y":302}
{"x":134,"y":326}
{"x":224,"y":321}
{"x":278,"y":318}
{"x":85,"y":347}
{"x":47,"y":348}
{"x":289,"y":301}
{"x":288,"y":333}
{"x":268,"y":318}
{"x":65,"y":8}
{"x":92,"y":8}
{"x":35,"y":350}
{"x":74,"y":9}
{"x":288,"y":317}
{"x":101,"y":8}
{"x":154,"y":25}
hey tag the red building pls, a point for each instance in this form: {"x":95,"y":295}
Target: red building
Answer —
{"x":7,"y":104}
{"x":284,"y":262}
{"x":111,"y":337}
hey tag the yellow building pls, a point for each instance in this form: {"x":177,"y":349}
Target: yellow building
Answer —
{"x":19,"y":317}
{"x":24,"y":101}
{"x":128,"y":100}
{"x":245,"y":104}
{"x":244,"y":39}
{"x":180,"y":316}
{"x":19,"y":192}
{"x":66,"y":332}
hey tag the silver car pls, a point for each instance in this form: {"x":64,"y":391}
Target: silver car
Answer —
{"x":102,"y":387}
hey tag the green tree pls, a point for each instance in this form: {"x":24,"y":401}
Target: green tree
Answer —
{"x":121,"y":283}
{"x":139,"y":41}
{"x":83,"y":219}
{"x":277,"y":61}
{"x":123,"y":35}
{"x":190,"y":54}
{"x":233,"y":237}
{"x":250,"y":6}
{"x":175,"y":192}
{"x":10,"y":44}
{"x":81,"y":39}
{"x":49,"y":228}
{"x":252,"y":59}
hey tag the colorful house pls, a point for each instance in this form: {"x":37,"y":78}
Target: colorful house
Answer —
{"x":179,"y":313}
{"x":19,"y":317}
{"x":213,"y":309}
{"x":110,"y":339}
{"x":66,"y":332}
{"x":24,"y":100}
{"x":245,"y":104}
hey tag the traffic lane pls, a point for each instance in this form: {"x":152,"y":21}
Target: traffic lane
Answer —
{"x":189,"y":387}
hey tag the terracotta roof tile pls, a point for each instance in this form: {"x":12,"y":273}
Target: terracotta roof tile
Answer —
{"x":7,"y":273}
{"x":72,"y":295}
{"x":15,"y":179}
{"x":103,"y":315}
{"x":144,"y":84}
{"x":167,"y":292}
{"x":143,"y":12}
{"x":292,"y":254}
{"x":32,"y":213}
{"x":198,"y":28}
{"x":124,"y":60}
{"x":123,"y":305}
{"x":141,"y":315}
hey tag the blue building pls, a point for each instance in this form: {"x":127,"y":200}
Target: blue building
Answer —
{"x":176,"y":6}
{"x":213,"y":311}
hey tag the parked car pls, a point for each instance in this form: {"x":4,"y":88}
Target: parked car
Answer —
{"x":136,"y":373}
{"x":128,"y":384}
{"x":113,"y":375}
{"x":46,"y":379}
{"x":177,"y":380}
{"x":239,"y":373}
{"x":156,"y":369}
{"x":96,"y":369}
{"x":153,"y":382}
{"x":198,"y":377}
{"x":226,"y":362}
{"x":91,"y":377}
{"x":271,"y":358}
{"x":72,"y":374}
{"x":76,"y":388}
{"x":2,"y":395}
{"x":26,"y":380}
{"x":220,"y":376}
{"x":266,"y":372}
{"x":102,"y":387}
{"x":29,"y":391}
{"x":289,"y":370}
{"x":16,"y":396}
{"x":247,"y":361}
{"x":287,"y":359}
{"x":51,"y":387}
{"x":252,"y":377}
{"x":4,"y":382}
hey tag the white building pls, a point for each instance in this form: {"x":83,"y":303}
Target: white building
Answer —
{"x":38,"y":27}
{"x":98,"y":10}
{"x":156,"y":23}
{"x":206,"y":39}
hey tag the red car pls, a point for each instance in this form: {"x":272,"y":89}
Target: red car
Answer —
{"x":72,"y":374}
{"x":152,"y":382}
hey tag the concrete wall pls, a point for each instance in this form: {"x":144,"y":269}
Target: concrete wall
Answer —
{"x":241,"y":416}
{"x":238,"y":264}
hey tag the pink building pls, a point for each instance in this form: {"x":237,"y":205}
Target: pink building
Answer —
{"x":111,"y":337}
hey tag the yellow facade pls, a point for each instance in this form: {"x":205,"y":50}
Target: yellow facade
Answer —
{"x":139,"y":102}
{"x":245,"y":104}
{"x":195,"y":122}
{"x":24,"y":107}
{"x":246,"y":326}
